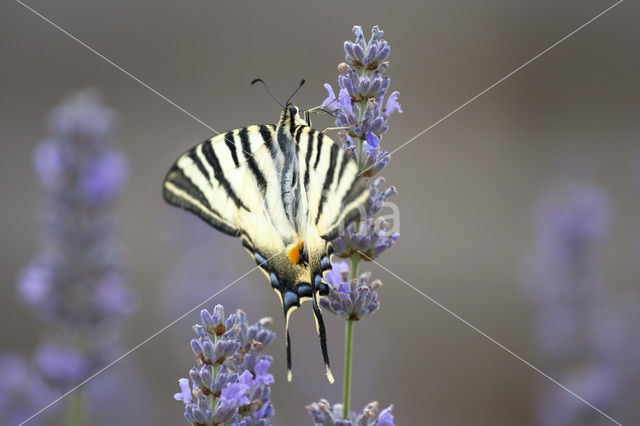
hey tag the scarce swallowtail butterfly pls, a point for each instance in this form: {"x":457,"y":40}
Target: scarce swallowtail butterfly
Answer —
{"x":286,"y":190}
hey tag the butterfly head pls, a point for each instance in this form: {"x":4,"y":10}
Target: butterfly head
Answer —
{"x":293,"y":115}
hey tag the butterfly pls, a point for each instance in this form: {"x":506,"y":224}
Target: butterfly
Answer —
{"x":286,"y":190}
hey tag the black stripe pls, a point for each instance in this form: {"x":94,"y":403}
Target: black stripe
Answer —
{"x":177,"y":176}
{"x":253,"y":166}
{"x":298,"y":133}
{"x":318,"y":150}
{"x":194,"y":157}
{"x":246,"y":242}
{"x":345,"y":161}
{"x":212,"y":158}
{"x":292,"y":123}
{"x":307,"y":160}
{"x":268,"y":139}
{"x":209,"y":215}
{"x":231,"y":144}
{"x":328,"y":179}
{"x":357,"y":187}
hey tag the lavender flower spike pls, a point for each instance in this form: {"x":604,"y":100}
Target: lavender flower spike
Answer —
{"x":230,"y":382}
{"x":361,"y":109}
{"x":351,"y":301}
{"x":326,"y":415}
{"x":359,"y":104}
{"x":372,"y":238}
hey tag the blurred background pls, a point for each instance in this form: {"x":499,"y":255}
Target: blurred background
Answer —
{"x":497,"y":204}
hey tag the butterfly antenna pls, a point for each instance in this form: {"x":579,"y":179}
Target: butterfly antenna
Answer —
{"x":296,"y":91}
{"x":259,"y":80}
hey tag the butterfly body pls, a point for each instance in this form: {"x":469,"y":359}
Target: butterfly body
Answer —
{"x":285,"y":190}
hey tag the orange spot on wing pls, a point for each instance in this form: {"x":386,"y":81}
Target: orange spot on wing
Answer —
{"x":294,"y":253}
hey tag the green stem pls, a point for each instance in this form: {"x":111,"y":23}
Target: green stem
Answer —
{"x":348,"y":348}
{"x":348,"y":351}
{"x":75,"y":414}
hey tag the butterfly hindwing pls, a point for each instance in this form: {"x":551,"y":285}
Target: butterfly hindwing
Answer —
{"x":335,"y":193}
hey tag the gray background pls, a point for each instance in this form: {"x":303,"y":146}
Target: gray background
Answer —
{"x":467,"y":187}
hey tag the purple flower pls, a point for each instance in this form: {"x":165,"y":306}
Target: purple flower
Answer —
{"x":392,"y":104}
{"x":185,"y":392}
{"x":330,"y":100}
{"x":231,"y":378}
{"x":370,"y":240}
{"x":372,"y":140}
{"x":359,"y":109}
{"x":326,"y":415}
{"x":352,"y":301}
{"x":262,"y":372}
{"x":362,"y":91}
{"x":338,"y":274}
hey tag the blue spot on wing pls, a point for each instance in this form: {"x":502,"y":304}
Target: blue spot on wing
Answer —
{"x":289,"y":300}
{"x":260,"y":260}
{"x":304,"y":290}
{"x":274,"y":280}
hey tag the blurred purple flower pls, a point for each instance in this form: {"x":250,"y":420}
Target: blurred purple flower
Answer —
{"x":104,"y":178}
{"x":579,"y":327}
{"x":22,"y":391}
{"x":76,"y":280}
{"x":75,"y":284}
{"x":34,"y":283}
{"x":62,"y":364}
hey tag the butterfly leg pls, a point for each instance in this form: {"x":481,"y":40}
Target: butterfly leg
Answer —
{"x":322,"y":333}
{"x":337,"y":128}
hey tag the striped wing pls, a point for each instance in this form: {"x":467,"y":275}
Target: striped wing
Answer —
{"x":224,"y":180}
{"x":335,"y":194}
